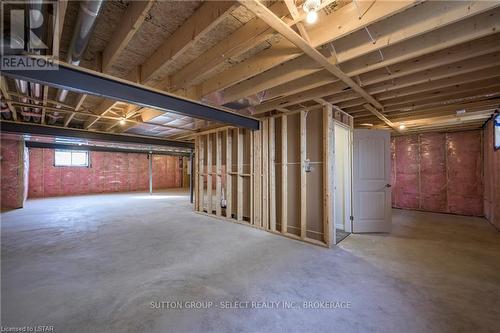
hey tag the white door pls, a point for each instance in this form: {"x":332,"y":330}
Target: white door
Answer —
{"x":343,"y":172}
{"x":371,"y":181}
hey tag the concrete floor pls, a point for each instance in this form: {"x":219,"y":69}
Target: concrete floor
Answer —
{"x":95,"y":264}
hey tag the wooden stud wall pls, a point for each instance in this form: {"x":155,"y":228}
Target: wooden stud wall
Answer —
{"x":260,"y":178}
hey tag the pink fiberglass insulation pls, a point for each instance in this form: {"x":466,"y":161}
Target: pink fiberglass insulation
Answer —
{"x":108,"y":172}
{"x":12,"y":169}
{"x":407,"y":164}
{"x":439,"y":172}
{"x":167,"y":171}
{"x":433,"y":172}
{"x":465,"y":185}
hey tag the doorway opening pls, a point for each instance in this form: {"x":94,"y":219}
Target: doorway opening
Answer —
{"x":343,"y":181}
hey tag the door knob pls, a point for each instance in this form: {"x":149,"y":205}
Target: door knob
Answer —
{"x":388,"y":185}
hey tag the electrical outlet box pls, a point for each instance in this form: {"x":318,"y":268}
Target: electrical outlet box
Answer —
{"x":307,"y":165}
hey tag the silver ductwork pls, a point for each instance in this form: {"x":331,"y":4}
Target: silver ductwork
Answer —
{"x":36,"y":20}
{"x":85,"y":23}
{"x":89,"y":10}
{"x":22,"y":89}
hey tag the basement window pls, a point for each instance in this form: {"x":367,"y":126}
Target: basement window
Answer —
{"x":71,"y":158}
{"x":496,"y":125}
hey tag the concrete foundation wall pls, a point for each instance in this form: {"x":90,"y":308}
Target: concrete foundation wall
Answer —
{"x":491,"y":178}
{"x":108,"y":172}
{"x":438,"y":172}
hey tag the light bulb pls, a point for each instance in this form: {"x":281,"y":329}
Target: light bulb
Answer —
{"x":402,"y":126}
{"x":122,"y":122}
{"x":312,"y":17}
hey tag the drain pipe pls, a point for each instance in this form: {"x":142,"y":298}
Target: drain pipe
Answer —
{"x":85,"y":23}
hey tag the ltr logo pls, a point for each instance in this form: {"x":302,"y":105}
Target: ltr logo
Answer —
{"x":27,"y":25}
{"x":28,"y":31}
{"x":17,"y":27}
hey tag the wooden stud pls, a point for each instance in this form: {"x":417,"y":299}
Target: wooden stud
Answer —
{"x":239,"y":168}
{"x":196,"y":173}
{"x":229,"y":169}
{"x":209,"y":174}
{"x":284,"y":176}
{"x":264,"y":180}
{"x":272,"y":175}
{"x":303,"y":179}
{"x":328,"y":175}
{"x":253,"y":207}
{"x":252,"y":177}
{"x":218,"y":170}
{"x":201,"y":175}
{"x":258,"y":177}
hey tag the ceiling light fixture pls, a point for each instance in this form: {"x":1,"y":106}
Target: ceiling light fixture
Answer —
{"x":122,"y":121}
{"x":311,"y":7}
{"x":402,"y":126}
{"x":311,"y":17}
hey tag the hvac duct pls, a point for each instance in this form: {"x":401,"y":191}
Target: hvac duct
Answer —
{"x":85,"y":23}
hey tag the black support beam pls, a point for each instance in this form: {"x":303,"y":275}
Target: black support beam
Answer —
{"x":54,"y":131}
{"x":85,"y":81}
{"x":65,"y":146}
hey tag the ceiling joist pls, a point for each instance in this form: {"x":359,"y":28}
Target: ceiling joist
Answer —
{"x":267,"y":16}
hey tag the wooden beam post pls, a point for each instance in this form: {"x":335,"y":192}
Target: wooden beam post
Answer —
{"x":239,"y":184}
{"x":272,"y":175}
{"x":209,"y":174}
{"x":264,"y":179}
{"x":328,"y":175}
{"x":218,"y":170}
{"x":229,"y":170}
{"x":303,"y":180}
{"x":284,"y":176}
{"x":201,"y":176}
{"x":196,"y":172}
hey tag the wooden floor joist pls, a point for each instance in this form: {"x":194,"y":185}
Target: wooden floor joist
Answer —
{"x":276,"y":23}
